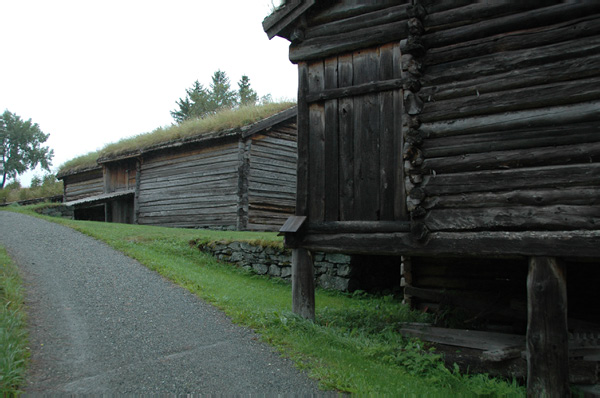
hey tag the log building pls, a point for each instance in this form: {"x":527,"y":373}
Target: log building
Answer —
{"x":464,"y":136}
{"x":242,"y":178}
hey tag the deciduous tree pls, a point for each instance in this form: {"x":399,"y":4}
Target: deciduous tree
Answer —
{"x":21,"y":146}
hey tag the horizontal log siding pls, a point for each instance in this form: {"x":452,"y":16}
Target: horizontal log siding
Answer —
{"x":83,"y":185}
{"x":191,"y":189}
{"x":511,"y":119}
{"x":272,"y":178}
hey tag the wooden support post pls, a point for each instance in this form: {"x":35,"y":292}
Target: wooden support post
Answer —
{"x":547,"y":334}
{"x":303,"y":284}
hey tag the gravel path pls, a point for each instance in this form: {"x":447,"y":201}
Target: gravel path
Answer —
{"x":102,"y":323}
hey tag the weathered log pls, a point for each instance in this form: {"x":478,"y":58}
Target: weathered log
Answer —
{"x":589,"y":196}
{"x":576,"y":244}
{"x":364,"y":20}
{"x":359,"y":227}
{"x":543,"y":156}
{"x":517,"y":40}
{"x":345,"y":11}
{"x":512,"y":100}
{"x":523,"y":20}
{"x":547,"y":72}
{"x":506,"y":61}
{"x":505,"y":180}
{"x":472,"y":13}
{"x":498,"y":140}
{"x":550,"y":116}
{"x":547,"y":334}
{"x":559,"y":217}
{"x":322,"y":47}
{"x":435,"y":6}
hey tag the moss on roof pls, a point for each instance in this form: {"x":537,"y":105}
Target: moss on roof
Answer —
{"x":224,"y":120}
{"x":80,"y":163}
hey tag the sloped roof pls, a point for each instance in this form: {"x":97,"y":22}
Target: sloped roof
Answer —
{"x":91,"y":200}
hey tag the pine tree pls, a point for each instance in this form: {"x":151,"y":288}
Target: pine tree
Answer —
{"x":222,"y":96}
{"x":246,"y":94}
{"x":200,"y":102}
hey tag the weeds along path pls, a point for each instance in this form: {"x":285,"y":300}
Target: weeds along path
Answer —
{"x":102,"y":323}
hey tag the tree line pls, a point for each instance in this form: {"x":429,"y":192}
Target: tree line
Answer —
{"x":201,"y":101}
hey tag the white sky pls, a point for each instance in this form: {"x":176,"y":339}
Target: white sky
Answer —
{"x":90,"y":72}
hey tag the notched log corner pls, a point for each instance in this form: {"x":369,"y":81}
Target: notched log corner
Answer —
{"x":419,"y":231}
{"x":416,"y":11}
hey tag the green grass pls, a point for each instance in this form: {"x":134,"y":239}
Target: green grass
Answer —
{"x":223,"y":120}
{"x":353,"y":346}
{"x":82,"y":162}
{"x":13,"y":334}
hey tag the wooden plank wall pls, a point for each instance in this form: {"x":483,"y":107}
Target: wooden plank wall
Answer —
{"x":350,"y":113}
{"x":190,"y":189}
{"x":511,"y":117}
{"x":83,"y":185}
{"x":272,"y":177}
{"x":354,"y":138}
{"x":120,"y":175}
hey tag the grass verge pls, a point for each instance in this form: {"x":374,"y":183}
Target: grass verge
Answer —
{"x":352,"y":347}
{"x":13,"y":333}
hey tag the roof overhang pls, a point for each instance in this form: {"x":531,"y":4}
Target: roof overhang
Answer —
{"x":99,"y":199}
{"x":280,"y":22}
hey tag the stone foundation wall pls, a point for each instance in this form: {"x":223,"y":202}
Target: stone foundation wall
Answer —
{"x":332,"y":271}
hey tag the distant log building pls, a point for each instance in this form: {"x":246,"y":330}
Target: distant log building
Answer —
{"x":462,"y":135}
{"x":242,"y":178}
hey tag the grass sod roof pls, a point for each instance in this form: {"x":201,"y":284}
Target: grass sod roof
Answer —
{"x":226,"y":120}
{"x":79,"y":164}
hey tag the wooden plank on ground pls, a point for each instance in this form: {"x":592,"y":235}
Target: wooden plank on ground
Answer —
{"x":486,"y":341}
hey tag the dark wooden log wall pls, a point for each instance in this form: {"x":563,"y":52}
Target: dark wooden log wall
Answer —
{"x":190,"y":189}
{"x":510,"y":118}
{"x":83,"y":185}
{"x":271,"y":177}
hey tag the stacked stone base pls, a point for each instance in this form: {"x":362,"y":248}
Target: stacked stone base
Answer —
{"x":332,"y":271}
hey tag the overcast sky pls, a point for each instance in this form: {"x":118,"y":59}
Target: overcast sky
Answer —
{"x":91,"y":72}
